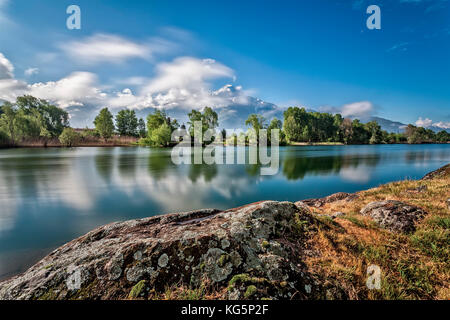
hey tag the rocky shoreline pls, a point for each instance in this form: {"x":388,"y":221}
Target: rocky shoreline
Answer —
{"x":257,"y":251}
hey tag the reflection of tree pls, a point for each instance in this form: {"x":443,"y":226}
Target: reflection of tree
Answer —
{"x":253,"y":170}
{"x":207,"y":171}
{"x":127,"y":163}
{"x":159,"y":162}
{"x":32,"y":167}
{"x":297,"y":167}
{"x":104,"y":163}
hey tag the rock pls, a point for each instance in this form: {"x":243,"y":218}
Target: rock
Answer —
{"x":264,"y":241}
{"x":439,"y":173}
{"x":394,"y":215}
{"x":332,"y":198}
{"x":448,"y":203}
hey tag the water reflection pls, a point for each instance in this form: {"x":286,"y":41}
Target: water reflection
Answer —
{"x":50,"y":196}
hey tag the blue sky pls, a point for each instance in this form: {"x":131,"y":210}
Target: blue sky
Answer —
{"x":317,"y":54}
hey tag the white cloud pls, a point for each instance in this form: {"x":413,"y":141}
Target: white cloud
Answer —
{"x":357,"y":109}
{"x":76,"y":89}
{"x":31,"y":71}
{"x":442,"y":125}
{"x":426,"y":123}
{"x":6,"y":68}
{"x":187,"y":73}
{"x":105,"y":48}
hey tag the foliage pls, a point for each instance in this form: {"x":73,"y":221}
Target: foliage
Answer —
{"x":141,"y":128}
{"x":127,"y":123}
{"x":69,"y":138}
{"x":159,"y":129}
{"x":208,"y":118}
{"x":30,"y":117}
{"x":104,"y":124}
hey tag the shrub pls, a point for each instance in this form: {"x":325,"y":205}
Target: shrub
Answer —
{"x":69,"y":138}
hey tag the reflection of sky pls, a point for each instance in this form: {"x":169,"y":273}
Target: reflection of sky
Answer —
{"x":50,"y":196}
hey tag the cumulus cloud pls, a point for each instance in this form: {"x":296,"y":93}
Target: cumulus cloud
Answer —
{"x":184,"y":83}
{"x":426,"y":123}
{"x":10,"y":88}
{"x":187,"y":73}
{"x":105,"y":48}
{"x":76,"y":89}
{"x":6,"y":68}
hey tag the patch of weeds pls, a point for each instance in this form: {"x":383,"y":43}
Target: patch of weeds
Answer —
{"x":433,"y":242}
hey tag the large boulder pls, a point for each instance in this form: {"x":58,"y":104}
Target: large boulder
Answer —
{"x":394,"y":215}
{"x":253,"y":251}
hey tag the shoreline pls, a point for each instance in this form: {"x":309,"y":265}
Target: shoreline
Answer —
{"x":115,"y":144}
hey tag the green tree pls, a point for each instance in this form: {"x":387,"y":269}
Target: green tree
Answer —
{"x":8,"y":121}
{"x":443,"y":136}
{"x":127,"y":123}
{"x":208,"y":118}
{"x":141,"y":128}
{"x":69,"y":138}
{"x":257,"y":122}
{"x":155,"y":120}
{"x":54,"y":119}
{"x":292,"y":129}
{"x":104,"y":124}
{"x":161,"y":136}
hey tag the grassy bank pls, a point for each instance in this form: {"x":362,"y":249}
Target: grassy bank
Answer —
{"x":115,"y":141}
{"x":414,"y":266}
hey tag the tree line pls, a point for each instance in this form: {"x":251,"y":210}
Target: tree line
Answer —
{"x":32,"y":118}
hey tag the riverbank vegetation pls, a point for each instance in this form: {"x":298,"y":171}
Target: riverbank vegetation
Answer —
{"x":413,"y":266}
{"x":33,"y":122}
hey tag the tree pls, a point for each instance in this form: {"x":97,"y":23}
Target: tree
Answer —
{"x":69,"y":138}
{"x":257,"y":122}
{"x":292,"y":129}
{"x":208,"y":118}
{"x":127,"y":123}
{"x":155,"y":120}
{"x":54,"y":119}
{"x":141,"y":128}
{"x":161,"y":136}
{"x":104,"y":124}
{"x":8,"y":121}
{"x":374,"y":130}
{"x":443,"y":136}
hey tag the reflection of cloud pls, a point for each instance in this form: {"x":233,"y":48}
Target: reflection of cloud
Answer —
{"x":360,"y":174}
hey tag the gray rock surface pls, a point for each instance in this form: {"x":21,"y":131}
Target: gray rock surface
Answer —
{"x":394,"y":215}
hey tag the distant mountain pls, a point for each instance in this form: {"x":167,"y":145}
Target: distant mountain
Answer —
{"x":395,"y":126}
{"x":388,"y":125}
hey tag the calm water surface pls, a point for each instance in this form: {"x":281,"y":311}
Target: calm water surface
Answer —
{"x":51,"y":196}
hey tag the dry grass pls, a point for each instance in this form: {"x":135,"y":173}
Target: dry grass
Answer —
{"x":414,"y":266}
